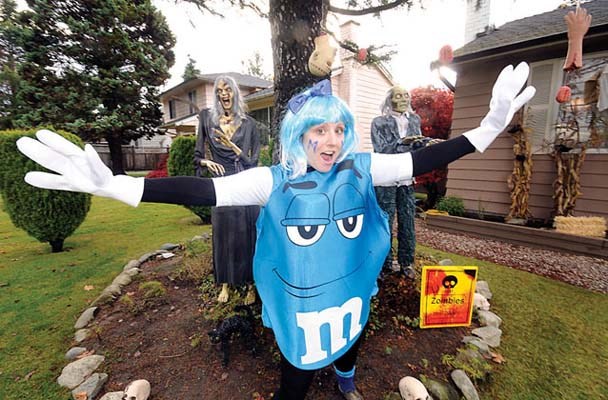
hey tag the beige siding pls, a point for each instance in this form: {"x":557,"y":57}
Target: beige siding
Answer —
{"x":370,"y":89}
{"x":481,"y":180}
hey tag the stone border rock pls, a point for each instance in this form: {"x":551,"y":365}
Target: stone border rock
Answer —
{"x":79,"y":375}
{"x":486,"y":337}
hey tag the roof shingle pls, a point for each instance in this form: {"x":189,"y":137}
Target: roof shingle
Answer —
{"x":532,"y":28}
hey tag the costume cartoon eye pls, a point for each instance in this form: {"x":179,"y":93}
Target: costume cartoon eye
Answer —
{"x":305,"y":235}
{"x":350,"y":227}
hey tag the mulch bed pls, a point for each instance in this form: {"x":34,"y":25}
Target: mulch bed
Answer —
{"x":164,"y":340}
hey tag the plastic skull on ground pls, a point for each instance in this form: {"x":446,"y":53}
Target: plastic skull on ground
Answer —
{"x":137,"y":390}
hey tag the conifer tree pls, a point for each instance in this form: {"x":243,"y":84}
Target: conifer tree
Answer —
{"x":94,"y":68}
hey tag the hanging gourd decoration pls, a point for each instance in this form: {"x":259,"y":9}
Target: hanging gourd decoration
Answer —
{"x":446,"y":55}
{"x":563,"y":94}
{"x":322,"y":58}
{"x":578,"y":24}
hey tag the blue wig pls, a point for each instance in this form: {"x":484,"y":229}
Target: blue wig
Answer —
{"x":317,"y":110}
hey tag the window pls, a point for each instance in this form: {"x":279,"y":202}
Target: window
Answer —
{"x":172,"y":113}
{"x":547,"y":118}
{"x":192,"y":108}
{"x":263,"y":118}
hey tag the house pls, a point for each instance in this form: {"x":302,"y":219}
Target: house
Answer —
{"x":363,"y":88}
{"x":182,"y":103}
{"x":541,"y":40}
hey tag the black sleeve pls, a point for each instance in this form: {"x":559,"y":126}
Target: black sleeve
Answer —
{"x":440,"y":154}
{"x":185,"y":190}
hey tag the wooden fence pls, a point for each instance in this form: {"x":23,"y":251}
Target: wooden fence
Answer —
{"x":134,"y":158}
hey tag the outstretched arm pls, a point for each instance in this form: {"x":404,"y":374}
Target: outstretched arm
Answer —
{"x":79,"y":170}
{"x":389,"y":169}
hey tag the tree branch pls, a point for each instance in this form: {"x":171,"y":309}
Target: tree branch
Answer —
{"x":370,"y":10}
{"x":203,"y":5}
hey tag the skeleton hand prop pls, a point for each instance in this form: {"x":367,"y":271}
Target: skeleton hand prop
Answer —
{"x":225,"y":140}
{"x":578,"y":24}
{"x":215,"y":168}
{"x":504,"y":104}
{"x":77,"y":170}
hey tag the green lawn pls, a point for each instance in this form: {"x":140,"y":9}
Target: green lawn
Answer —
{"x":555,"y":336}
{"x":45,"y":293}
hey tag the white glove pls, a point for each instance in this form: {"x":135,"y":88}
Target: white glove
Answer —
{"x":503,"y":105}
{"x":79,"y":170}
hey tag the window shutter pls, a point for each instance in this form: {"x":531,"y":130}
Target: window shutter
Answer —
{"x":538,"y":109}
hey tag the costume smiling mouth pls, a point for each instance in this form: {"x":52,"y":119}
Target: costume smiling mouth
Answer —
{"x":307,"y":288}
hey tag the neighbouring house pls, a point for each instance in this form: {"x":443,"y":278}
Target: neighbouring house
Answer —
{"x":363,"y":88}
{"x":541,"y":40}
{"x":182,"y":103}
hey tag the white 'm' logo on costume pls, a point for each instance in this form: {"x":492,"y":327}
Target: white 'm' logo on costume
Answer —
{"x":311,"y":323}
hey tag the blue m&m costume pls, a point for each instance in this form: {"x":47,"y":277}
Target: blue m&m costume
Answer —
{"x":322,"y":239}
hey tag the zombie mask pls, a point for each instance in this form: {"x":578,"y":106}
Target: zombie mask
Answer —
{"x":400,"y":100}
{"x":225,"y":95}
{"x":321,"y":59}
{"x":317,"y":280}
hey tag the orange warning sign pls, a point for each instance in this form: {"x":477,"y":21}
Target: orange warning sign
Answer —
{"x":446,"y":297}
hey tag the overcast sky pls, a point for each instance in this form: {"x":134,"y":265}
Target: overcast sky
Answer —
{"x":220,"y":45}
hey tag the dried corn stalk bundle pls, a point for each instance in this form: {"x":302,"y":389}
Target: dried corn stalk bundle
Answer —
{"x":521,"y":177}
{"x":582,"y":226}
{"x":567,"y":185}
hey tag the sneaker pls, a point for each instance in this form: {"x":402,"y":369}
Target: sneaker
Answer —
{"x":353,"y":395}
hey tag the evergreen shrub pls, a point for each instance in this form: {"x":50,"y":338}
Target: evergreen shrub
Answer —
{"x":452,"y":205}
{"x":47,"y":215}
{"x":181,"y":163}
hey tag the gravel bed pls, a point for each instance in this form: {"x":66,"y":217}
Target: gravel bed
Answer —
{"x":587,"y":272}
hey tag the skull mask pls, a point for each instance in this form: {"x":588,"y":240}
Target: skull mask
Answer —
{"x":400,"y":100}
{"x":225,"y":96}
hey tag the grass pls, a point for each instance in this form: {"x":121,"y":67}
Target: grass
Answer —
{"x":555,"y":336}
{"x":42,"y":294}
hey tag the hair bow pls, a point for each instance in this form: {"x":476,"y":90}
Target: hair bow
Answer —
{"x":322,"y":88}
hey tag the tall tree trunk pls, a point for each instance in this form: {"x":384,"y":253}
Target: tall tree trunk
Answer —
{"x":115,"y":146}
{"x":294,"y":25}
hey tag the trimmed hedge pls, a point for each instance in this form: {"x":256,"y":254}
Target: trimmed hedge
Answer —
{"x":181,"y":163}
{"x":47,"y":215}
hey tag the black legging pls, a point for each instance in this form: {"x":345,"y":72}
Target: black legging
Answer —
{"x":295,"y":382}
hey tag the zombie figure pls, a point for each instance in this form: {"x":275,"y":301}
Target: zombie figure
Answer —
{"x":322,"y":238}
{"x":232,"y":141}
{"x":396,"y":131}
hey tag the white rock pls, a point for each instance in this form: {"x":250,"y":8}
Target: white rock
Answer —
{"x":112,"y":396}
{"x":86,"y":317}
{"x":76,"y":372}
{"x":411,"y":388}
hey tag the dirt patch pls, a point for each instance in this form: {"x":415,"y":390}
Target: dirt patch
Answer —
{"x":164,"y":339}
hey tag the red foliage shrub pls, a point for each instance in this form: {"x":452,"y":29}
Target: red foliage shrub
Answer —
{"x":161,"y":168}
{"x":435,"y":107}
